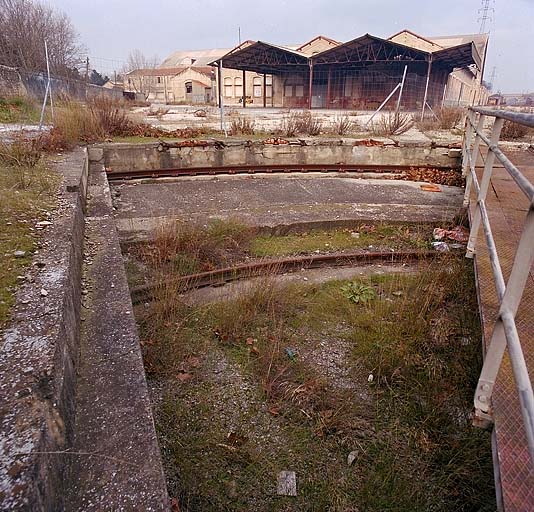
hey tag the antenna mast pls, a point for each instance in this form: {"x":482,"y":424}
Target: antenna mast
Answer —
{"x":485,"y":14}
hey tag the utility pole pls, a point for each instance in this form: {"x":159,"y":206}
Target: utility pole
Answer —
{"x":485,"y":15}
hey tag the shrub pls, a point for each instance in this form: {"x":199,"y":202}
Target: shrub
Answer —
{"x":513,"y":131}
{"x":342,"y":125}
{"x":20,"y":152}
{"x":100,"y":118}
{"x":445,"y":118}
{"x":392,"y":123}
{"x":241,"y":125}
{"x":304,"y":123}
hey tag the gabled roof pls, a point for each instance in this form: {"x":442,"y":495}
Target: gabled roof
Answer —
{"x":156,"y":71}
{"x":407,"y":36}
{"x":480,"y":41}
{"x":201,"y":57}
{"x":263,"y":57}
{"x":368,"y":48}
{"x":304,"y":48}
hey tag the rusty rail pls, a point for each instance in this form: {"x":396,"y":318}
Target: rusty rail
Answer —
{"x":270,"y":169}
{"x":277,"y":266}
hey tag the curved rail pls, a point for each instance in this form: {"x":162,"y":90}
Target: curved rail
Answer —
{"x":270,"y":169}
{"x":224,"y":275}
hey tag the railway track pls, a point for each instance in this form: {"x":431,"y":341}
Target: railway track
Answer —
{"x":269,"y":169}
{"x":222,"y":276}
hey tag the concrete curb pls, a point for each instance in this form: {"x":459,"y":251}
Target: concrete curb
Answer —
{"x":118,"y":463}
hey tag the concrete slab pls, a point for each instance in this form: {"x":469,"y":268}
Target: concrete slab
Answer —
{"x":265,"y":200}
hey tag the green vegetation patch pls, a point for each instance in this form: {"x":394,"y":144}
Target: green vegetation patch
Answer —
{"x":368,"y":401}
{"x":26,"y":193}
{"x":183,"y":249}
{"x":18,"y":110}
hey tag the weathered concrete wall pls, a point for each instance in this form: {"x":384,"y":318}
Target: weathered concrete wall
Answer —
{"x":39,"y":357}
{"x":120,"y":157}
{"x":11,"y":82}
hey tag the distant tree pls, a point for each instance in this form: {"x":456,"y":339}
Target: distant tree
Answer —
{"x":139,"y":75}
{"x":97,"y":79}
{"x":25,"y":25}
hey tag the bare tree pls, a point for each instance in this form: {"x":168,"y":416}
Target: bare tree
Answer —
{"x":139,"y":74}
{"x":25,"y":25}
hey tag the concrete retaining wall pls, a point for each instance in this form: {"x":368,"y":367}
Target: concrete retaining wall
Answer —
{"x":121,"y":157}
{"x":39,"y":357}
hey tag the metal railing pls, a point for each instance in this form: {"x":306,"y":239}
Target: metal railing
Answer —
{"x":509,"y":293}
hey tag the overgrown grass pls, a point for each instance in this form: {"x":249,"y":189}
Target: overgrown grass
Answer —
{"x":378,"y":237}
{"x":27,"y":189}
{"x":183,"y":249}
{"x":244,"y":395}
{"x":19,"y":109}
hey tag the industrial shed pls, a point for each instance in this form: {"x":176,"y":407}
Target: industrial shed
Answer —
{"x":358,"y":74}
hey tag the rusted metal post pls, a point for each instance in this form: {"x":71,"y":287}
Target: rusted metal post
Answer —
{"x":310,"y":87}
{"x":328,"y":88}
{"x":219,"y":83}
{"x":244,"y":90}
{"x":264,"y":90}
{"x":426,"y":86}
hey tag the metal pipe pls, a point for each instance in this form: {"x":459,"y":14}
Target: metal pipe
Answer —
{"x":264,"y":90}
{"x":221,"y":100}
{"x":516,"y":117}
{"x":49,"y":82}
{"x":244,"y":90}
{"x":310,"y":86}
{"x":522,"y":379}
{"x":526,"y":187}
{"x":383,"y":103}
{"x":484,"y":186}
{"x":500,"y":285}
{"x":426,"y":86}
{"x":401,"y":88}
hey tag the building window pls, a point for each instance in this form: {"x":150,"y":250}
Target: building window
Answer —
{"x":299,"y":91}
{"x":228,"y":87}
{"x":159,"y":79}
{"x":257,"y":86}
{"x":268,"y":86}
{"x":238,"y":84}
{"x":288,"y":91}
{"x":189,"y":87}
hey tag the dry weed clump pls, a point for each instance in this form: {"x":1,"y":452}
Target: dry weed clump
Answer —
{"x":392,"y":123}
{"x":241,"y":125}
{"x":301,"y":123}
{"x":99,"y":119}
{"x":21,"y":151}
{"x":445,"y":118}
{"x":514,"y":131}
{"x":184,"y":248}
{"x":342,"y":125}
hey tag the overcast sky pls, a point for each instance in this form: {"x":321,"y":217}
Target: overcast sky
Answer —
{"x":111,"y":28}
